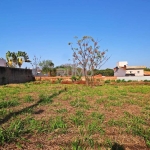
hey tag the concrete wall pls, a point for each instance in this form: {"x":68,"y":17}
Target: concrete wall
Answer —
{"x":120,"y":72}
{"x":134,"y":78}
{"x":15,"y":75}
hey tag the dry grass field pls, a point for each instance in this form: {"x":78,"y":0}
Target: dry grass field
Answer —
{"x":41,"y":115}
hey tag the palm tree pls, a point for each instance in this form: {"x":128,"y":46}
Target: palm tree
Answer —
{"x":22,"y":57}
{"x":14,"y":59}
{"x":9,"y":59}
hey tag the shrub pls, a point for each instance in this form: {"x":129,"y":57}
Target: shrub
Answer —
{"x":146,"y":80}
{"x":123,"y":80}
{"x":107,"y":81}
{"x":118,"y":81}
{"x":129,"y":80}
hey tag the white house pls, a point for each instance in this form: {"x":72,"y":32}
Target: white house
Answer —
{"x":2,"y":62}
{"x":122,"y":69}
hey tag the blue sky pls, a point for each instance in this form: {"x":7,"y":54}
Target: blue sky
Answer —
{"x":44,"y":28}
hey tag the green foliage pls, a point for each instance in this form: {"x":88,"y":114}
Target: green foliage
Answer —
{"x":48,"y":67}
{"x":14,"y":57}
{"x":129,"y":80}
{"x":76,"y":78}
{"x":80,"y":103}
{"x":123,"y":80}
{"x":45,"y":99}
{"x":84,"y":116}
{"x":47,"y":64}
{"x":147,"y":69}
{"x":107,"y":81}
{"x":95,"y":127}
{"x":98,"y":116}
{"x":28,"y":98}
{"x":118,"y":80}
{"x":77,"y":120}
{"x":62,"y":110}
{"x":105,"y":72}
{"x":19,"y":127}
{"x":73,"y":78}
{"x":3,"y":112}
{"x":7,"y":104}
{"x":59,"y":80}
{"x":14,"y":131}
{"x":56,"y":123}
{"x":76,"y":145}
{"x":146,"y":80}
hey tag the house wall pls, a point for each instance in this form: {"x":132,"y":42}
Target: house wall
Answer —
{"x":120,"y":72}
{"x":138,"y":72}
{"x":122,"y":63}
{"x":15,"y":75}
{"x":2,"y":62}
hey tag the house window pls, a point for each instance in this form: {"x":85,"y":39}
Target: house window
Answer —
{"x":138,"y":71}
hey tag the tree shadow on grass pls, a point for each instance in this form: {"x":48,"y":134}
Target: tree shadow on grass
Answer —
{"x":117,"y":146}
{"x":42,"y":100}
{"x":39,"y":112}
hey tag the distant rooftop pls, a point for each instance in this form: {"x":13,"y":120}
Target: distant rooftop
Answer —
{"x":135,"y":67}
{"x":146,"y":73}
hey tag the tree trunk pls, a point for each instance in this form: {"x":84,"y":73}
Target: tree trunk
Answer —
{"x":49,"y":74}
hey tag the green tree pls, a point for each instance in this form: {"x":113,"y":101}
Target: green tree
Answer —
{"x":104,"y":72}
{"x":147,"y":69}
{"x":48,"y":67}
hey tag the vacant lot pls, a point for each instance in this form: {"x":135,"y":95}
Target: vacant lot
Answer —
{"x":41,"y":115}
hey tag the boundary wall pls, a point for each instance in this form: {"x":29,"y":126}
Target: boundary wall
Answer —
{"x":15,"y":75}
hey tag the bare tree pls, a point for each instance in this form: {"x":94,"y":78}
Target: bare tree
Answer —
{"x":88,"y":56}
{"x":35,"y":63}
